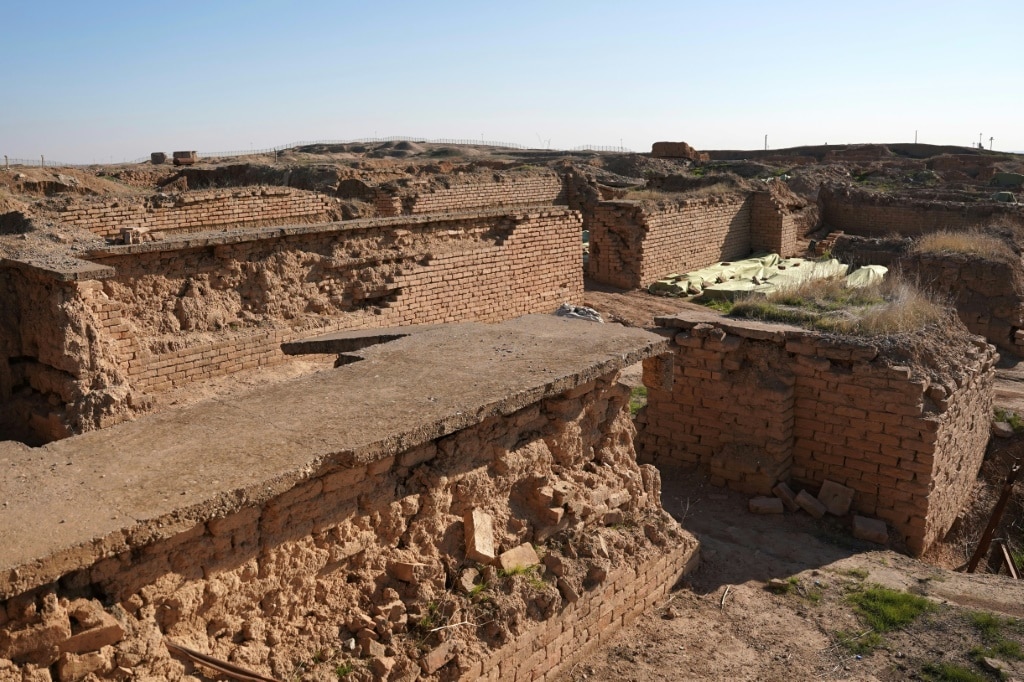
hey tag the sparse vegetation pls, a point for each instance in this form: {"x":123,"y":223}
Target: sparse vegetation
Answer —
{"x":717,"y":189}
{"x":1011,"y":418}
{"x":884,"y":609}
{"x":343,"y":669}
{"x":971,"y":242}
{"x":950,"y":672}
{"x":637,"y":399}
{"x":893,"y":306}
{"x":991,"y":628}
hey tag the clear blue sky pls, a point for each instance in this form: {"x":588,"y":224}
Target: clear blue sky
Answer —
{"x":100,"y":81}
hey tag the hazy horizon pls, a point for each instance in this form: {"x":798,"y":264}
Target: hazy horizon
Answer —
{"x":115,"y":82}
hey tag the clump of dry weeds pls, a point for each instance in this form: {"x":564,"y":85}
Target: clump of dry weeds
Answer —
{"x":969,"y":242}
{"x":893,"y":306}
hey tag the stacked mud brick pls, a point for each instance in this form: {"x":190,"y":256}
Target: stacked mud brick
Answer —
{"x":202,"y":210}
{"x":860,"y":213}
{"x":262,"y":570}
{"x":164,"y":314}
{"x":753,"y":403}
{"x":633,"y":244}
{"x":474,"y":192}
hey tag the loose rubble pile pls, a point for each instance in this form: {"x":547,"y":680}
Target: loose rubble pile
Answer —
{"x":833,"y":498}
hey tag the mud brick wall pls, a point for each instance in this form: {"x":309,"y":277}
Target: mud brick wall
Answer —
{"x":203,"y":210}
{"x":176,"y":313}
{"x":879,"y":216}
{"x":988,"y":294}
{"x":754,"y":404}
{"x":278,"y":574}
{"x":773,"y":228}
{"x":497,"y":190}
{"x":633,"y":244}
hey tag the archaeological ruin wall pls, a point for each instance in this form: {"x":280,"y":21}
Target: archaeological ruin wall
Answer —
{"x":85,"y":351}
{"x":872,"y":215}
{"x":635,"y":243}
{"x":987,"y":292}
{"x":754,"y":404}
{"x":456,"y":195}
{"x":500,"y":530}
{"x":202,"y":210}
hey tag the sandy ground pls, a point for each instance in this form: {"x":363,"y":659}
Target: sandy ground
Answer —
{"x":722,"y":624}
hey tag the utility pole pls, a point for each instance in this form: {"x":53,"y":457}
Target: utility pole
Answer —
{"x":980,"y":144}
{"x":42,"y":160}
{"x":990,"y":140}
{"x":915,"y":137}
{"x":766,"y":142}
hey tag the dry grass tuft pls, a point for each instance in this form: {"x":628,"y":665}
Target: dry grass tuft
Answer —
{"x":971,"y":242}
{"x":892,"y":307}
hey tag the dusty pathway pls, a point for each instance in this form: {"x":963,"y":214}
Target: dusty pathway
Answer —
{"x":722,"y":624}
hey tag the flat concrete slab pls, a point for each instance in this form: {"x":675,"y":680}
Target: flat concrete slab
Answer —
{"x":69,"y":503}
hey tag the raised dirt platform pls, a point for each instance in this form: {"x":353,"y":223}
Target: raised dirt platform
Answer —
{"x":72,"y":502}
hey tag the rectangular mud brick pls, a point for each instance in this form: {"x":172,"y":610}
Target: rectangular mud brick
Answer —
{"x":479,"y":536}
{"x":786,"y":494}
{"x":837,"y":498}
{"x":810,"y":504}
{"x":522,"y":556}
{"x":872,"y":530}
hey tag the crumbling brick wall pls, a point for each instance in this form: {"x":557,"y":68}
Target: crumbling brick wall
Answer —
{"x":755,"y":403}
{"x":988,"y":294}
{"x":870,"y":215}
{"x":266,"y":578}
{"x":202,"y":210}
{"x":172,"y":313}
{"x":458,"y":195}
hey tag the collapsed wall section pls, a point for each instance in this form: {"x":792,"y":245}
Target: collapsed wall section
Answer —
{"x":754,"y":404}
{"x":202,"y":210}
{"x":455,"y":195}
{"x":874,"y":215}
{"x":170,"y":313}
{"x":393,"y":542}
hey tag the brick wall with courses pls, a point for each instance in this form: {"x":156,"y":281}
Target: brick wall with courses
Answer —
{"x":330,"y":539}
{"x":886,"y":216}
{"x":503,"y":191}
{"x":485,"y":268}
{"x":753,"y":405}
{"x":194,"y":211}
{"x":633,"y":244}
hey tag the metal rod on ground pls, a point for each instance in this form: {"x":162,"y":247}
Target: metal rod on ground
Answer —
{"x":997,"y":515}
